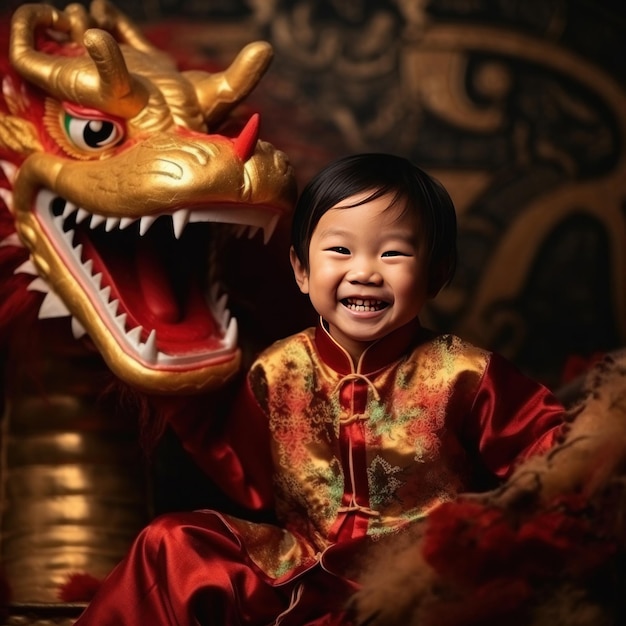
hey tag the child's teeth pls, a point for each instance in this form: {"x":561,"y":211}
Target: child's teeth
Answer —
{"x":357,"y":304}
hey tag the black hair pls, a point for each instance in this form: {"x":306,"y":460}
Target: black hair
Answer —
{"x":382,"y":174}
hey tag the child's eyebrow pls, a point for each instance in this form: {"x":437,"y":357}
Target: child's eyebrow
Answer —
{"x":328,"y":232}
{"x":401,"y":233}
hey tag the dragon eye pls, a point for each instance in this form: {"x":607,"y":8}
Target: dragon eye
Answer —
{"x":92,"y":134}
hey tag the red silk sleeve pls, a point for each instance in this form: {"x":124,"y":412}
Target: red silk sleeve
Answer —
{"x":512,"y":418}
{"x":228,"y":438}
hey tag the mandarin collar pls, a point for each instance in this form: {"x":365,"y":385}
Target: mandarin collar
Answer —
{"x":376,"y":356}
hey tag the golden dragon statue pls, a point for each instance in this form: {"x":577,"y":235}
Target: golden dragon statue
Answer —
{"x":121,"y":178}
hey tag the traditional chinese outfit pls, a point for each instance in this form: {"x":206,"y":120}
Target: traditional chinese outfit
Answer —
{"x":344,"y":455}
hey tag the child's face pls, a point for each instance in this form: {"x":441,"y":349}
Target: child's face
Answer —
{"x":367,"y":273}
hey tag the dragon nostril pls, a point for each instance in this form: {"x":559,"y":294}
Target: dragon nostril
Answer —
{"x":245,"y":143}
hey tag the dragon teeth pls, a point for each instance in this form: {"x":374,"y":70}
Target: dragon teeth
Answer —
{"x":69,"y":208}
{"x":97,"y":280}
{"x":52,"y":306}
{"x":105,"y":293}
{"x":230,"y":339}
{"x":179,"y":221}
{"x":112,"y":307}
{"x":148,"y":350}
{"x":11,"y":240}
{"x":28,"y":267}
{"x":218,"y":305}
{"x":39,"y":284}
{"x":269,"y":231}
{"x":7,"y":196}
{"x":96,"y":220}
{"x":112,"y":223}
{"x":250,"y":220}
{"x":120,"y":320}
{"x":10,"y":170}
{"x":78,"y":330}
{"x":145,"y":223}
{"x":134,"y":335}
{"x":81,"y":214}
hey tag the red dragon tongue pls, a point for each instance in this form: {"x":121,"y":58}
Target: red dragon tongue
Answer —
{"x":154,"y":284}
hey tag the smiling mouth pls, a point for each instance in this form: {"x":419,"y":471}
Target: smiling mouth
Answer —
{"x":361,"y":305}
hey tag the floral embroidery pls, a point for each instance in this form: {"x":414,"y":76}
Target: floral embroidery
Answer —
{"x":378,"y":418}
{"x":383,"y":420}
{"x":382,"y":481}
{"x":427,"y":447}
{"x":332,"y":477}
{"x":313,"y":503}
{"x":404,"y":379}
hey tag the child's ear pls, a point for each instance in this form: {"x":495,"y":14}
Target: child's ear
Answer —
{"x":299,"y":271}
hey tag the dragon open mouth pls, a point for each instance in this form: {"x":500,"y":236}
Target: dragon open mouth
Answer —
{"x":147,"y":277}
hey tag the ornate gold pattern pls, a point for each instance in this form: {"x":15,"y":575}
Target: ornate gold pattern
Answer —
{"x":441,"y":60}
{"x":402,"y":426}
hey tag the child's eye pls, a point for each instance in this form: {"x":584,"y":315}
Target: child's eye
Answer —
{"x":394,"y":253}
{"x":339,"y":250}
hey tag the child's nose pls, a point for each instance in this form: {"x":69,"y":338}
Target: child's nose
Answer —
{"x":365,"y":274}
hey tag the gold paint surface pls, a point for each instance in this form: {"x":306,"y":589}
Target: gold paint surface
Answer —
{"x":74,"y":479}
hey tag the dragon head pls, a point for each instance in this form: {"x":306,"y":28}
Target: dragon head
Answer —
{"x":121,"y":182}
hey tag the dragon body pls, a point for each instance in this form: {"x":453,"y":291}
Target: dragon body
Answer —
{"x":122,"y":178}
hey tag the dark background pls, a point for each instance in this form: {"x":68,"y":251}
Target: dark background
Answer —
{"x":523,"y":115}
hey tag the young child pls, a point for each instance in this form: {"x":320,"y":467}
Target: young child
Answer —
{"x":348,"y":431}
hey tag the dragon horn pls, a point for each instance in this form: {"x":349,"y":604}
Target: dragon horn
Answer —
{"x":103,"y":82}
{"x":116,"y":91}
{"x":111,"y":19}
{"x":219,"y":93}
{"x":79,"y":19}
